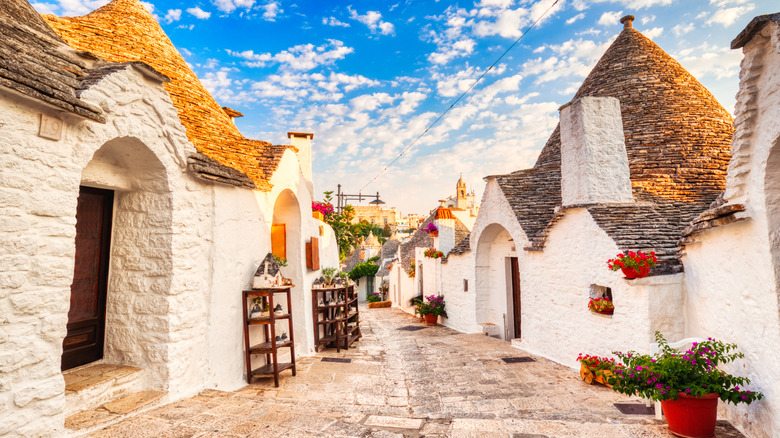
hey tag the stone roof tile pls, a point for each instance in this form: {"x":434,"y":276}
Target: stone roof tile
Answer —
{"x":124,"y":31}
{"x":677,"y":140}
{"x":34,"y":61}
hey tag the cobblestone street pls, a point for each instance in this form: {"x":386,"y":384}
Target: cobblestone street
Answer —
{"x":431,"y":381}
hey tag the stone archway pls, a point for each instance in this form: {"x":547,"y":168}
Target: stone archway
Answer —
{"x":287,"y":211}
{"x":494,"y":295}
{"x":137,"y":316}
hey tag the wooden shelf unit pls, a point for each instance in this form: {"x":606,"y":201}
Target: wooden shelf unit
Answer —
{"x":331,"y":329}
{"x":269,"y":346}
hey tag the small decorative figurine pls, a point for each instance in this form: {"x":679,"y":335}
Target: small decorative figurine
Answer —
{"x":320,"y":303}
{"x":284,"y":336}
{"x":268,"y":273}
{"x":278,"y":310}
{"x":256,"y":311}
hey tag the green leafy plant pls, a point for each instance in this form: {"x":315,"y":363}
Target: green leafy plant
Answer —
{"x":433,"y":305}
{"x":631,"y":259}
{"x":365,"y":269}
{"x":412,"y":270}
{"x":329,"y":274}
{"x":695,"y":372}
{"x":600,"y":304}
{"x":373,"y":259}
{"x":433,"y":254}
{"x":373,"y":298}
{"x":280,"y":261}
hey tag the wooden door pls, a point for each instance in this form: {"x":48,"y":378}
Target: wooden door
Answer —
{"x":516,"y":295}
{"x":87,"y":315}
{"x":279,"y":240}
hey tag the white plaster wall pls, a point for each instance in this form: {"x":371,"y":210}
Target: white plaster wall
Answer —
{"x":731,"y":297}
{"x":732,"y":271}
{"x":459,"y":303}
{"x":552,"y":292}
{"x":39,"y":182}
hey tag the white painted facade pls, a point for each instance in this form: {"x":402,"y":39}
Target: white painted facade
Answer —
{"x":181,"y":251}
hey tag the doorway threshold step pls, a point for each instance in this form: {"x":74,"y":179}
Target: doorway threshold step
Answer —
{"x":114,"y":411}
{"x":132,"y":402}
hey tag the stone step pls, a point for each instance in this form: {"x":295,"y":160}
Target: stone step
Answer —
{"x":91,"y":386}
{"x":113,"y":411}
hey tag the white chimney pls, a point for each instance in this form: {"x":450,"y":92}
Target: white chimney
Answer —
{"x":594,"y":164}
{"x":302,"y":141}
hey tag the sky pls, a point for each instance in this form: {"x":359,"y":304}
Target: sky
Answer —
{"x":368,"y":77}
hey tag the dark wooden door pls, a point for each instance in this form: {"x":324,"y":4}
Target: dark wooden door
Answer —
{"x":516,"y":295}
{"x":87,"y":315}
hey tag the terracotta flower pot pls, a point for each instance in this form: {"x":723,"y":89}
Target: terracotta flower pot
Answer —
{"x":317,"y":215}
{"x":692,"y":417}
{"x":431,"y":319}
{"x":434,"y":234}
{"x":635,"y":272}
{"x":606,"y":311}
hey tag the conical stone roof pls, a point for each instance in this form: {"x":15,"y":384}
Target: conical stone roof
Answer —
{"x":123,"y":31}
{"x":677,"y":137}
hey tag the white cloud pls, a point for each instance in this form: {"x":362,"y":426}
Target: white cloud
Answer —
{"x":610,"y":18}
{"x":647,"y":19}
{"x":579,"y":16}
{"x":710,"y":60}
{"x":333,"y":21}
{"x":229,"y":6}
{"x":148,"y":6}
{"x":300,"y":57}
{"x":653,"y":33}
{"x":271,"y":10}
{"x":172,"y":15}
{"x":71,"y":8}
{"x":729,"y":16}
{"x":575,"y":58}
{"x":638,"y":4}
{"x":45,"y":8}
{"x":373,"y":20}
{"x":457,"y":49}
{"x":198,"y":13}
{"x":722,"y":3}
{"x":683,"y":28}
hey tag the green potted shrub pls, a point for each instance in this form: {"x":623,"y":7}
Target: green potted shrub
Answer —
{"x":432,"y":308}
{"x":688,"y":384}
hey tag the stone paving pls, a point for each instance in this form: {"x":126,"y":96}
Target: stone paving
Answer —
{"x":432,"y":382}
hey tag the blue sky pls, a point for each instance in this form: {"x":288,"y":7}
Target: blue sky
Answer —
{"x":367,"y":77}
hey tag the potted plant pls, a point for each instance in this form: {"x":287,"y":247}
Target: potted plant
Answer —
{"x":412,"y":270}
{"x":432,"y":308}
{"x":633,"y":264}
{"x":373,"y":298}
{"x":601,"y":305}
{"x":329,"y":274}
{"x":319,"y":210}
{"x":595,"y":368}
{"x":384,"y":288}
{"x":433,"y":254}
{"x":688,"y":384}
{"x":431,"y":229}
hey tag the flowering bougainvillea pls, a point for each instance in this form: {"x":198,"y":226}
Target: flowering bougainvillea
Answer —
{"x":631,"y":259}
{"x":430,"y":228}
{"x":322,"y":207}
{"x":433,"y":254}
{"x":600,"y":304}
{"x":668,"y":373}
{"x":433,"y":305}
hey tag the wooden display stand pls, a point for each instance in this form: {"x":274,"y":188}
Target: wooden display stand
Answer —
{"x":336,"y":325}
{"x":270,"y":346}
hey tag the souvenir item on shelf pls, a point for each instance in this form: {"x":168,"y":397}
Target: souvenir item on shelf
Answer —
{"x":278,"y":310}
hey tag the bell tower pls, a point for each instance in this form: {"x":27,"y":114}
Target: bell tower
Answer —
{"x":461,"y":191}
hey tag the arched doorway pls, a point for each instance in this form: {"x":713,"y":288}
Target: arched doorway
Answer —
{"x":131,"y":185}
{"x":287,"y":223}
{"x":498,"y":282}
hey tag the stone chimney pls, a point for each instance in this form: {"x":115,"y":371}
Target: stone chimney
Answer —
{"x":302,"y":141}
{"x":445,"y":222}
{"x":594,"y":164}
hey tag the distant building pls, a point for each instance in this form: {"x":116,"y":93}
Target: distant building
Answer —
{"x":463,"y":204}
{"x":376,"y":215}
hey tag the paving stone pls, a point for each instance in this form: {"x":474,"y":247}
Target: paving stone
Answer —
{"x":428,"y":383}
{"x":399,"y":423}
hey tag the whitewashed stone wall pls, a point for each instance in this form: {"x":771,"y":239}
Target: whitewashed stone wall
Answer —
{"x":731,"y":272}
{"x":182,"y":251}
{"x":459,"y":302}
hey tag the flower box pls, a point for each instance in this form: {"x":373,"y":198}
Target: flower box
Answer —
{"x":318,"y":215}
{"x":600,"y":376}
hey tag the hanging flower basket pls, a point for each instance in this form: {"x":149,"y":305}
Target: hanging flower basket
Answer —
{"x":633,"y":264}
